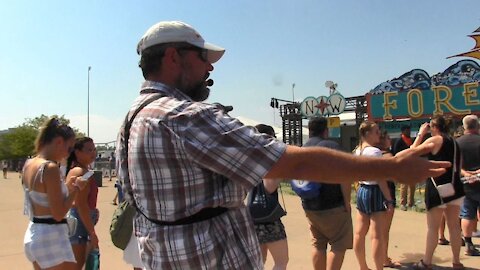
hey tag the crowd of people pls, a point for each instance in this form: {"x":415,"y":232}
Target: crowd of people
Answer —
{"x":187,"y":166}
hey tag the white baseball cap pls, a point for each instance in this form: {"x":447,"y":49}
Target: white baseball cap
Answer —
{"x":176,"y":31}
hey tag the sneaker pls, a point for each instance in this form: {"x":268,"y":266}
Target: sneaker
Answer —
{"x":476,"y":234}
{"x":403,"y":208}
{"x":470,"y":250}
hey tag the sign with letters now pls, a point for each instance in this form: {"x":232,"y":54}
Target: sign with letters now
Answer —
{"x":322,"y":105}
{"x":416,"y":95}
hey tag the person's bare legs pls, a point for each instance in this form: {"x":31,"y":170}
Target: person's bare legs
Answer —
{"x":377,"y":220}
{"x":451,"y":214}
{"x":403,"y":196}
{"x":279,"y":251}
{"x":441,"y":228}
{"x":114,"y":202}
{"x":363,"y":223}
{"x":468,"y":227}
{"x":80,"y":252}
{"x":411,"y":195}
{"x":434,"y":217}
{"x":62,"y":266}
{"x":335,"y":259}
{"x":386,"y":234}
{"x":319,"y":259}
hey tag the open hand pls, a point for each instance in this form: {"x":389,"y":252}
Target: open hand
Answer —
{"x":412,"y":168}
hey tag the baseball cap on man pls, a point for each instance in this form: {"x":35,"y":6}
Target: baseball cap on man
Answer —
{"x":176,"y":31}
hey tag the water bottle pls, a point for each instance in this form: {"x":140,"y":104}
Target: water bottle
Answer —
{"x":93,"y":260}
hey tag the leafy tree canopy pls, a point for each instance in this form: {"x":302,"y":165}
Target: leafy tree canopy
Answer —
{"x":18,"y":142}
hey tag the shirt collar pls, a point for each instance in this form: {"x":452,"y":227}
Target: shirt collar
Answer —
{"x":158,"y":87}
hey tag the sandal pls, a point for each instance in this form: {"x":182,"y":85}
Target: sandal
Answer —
{"x":458,"y":266}
{"x":421,"y":265}
{"x":392,"y":264}
{"x":443,"y":242}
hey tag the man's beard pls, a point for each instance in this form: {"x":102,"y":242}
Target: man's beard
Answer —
{"x":200,"y":92}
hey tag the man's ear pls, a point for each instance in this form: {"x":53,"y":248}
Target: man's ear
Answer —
{"x":171,"y":56}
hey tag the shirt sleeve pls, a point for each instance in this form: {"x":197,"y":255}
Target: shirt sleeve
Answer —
{"x":224,"y":145}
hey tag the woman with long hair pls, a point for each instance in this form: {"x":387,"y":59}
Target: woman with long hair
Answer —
{"x":373,"y":202}
{"x":85,"y":205}
{"x":385,"y":146}
{"x":445,"y":149}
{"x":48,"y":199}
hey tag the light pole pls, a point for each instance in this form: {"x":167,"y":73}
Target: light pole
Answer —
{"x":293,"y":92}
{"x":88,"y":101}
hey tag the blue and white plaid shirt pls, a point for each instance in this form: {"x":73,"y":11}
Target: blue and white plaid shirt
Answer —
{"x":185,"y":156}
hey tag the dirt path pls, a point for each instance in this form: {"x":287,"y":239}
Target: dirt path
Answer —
{"x":406,"y":245}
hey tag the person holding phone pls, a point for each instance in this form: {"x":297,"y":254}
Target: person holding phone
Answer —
{"x":48,"y":198}
{"x":85,"y":205}
{"x":445,"y":149}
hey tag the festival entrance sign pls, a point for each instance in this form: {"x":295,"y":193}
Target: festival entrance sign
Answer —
{"x":323,"y":105}
{"x":416,"y":95}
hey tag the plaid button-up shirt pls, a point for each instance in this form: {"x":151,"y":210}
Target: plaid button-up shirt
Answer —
{"x":185,"y":156}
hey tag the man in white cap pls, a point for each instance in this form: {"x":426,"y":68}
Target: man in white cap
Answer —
{"x":190,"y":165}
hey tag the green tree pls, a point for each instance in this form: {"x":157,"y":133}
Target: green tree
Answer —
{"x":19,"y":142}
{"x":39,"y":121}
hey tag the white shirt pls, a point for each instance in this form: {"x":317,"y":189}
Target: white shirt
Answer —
{"x":371,"y":152}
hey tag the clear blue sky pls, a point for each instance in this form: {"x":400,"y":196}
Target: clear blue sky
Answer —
{"x":47,"y":46}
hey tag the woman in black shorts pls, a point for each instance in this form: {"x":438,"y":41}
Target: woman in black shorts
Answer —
{"x":271,"y":235}
{"x":445,"y":149}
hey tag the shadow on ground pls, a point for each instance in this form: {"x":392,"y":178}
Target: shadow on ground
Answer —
{"x":409,"y":259}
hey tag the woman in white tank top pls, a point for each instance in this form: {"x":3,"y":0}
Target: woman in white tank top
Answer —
{"x":373,"y":200}
{"x":47,"y":199}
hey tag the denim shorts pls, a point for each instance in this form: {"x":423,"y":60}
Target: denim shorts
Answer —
{"x":470,"y":206}
{"x":370,"y":199}
{"x":81,"y":233}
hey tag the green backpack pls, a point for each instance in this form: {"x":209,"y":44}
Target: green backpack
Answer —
{"x":121,"y":228}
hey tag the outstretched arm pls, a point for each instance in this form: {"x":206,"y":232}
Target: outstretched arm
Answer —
{"x":325,"y":165}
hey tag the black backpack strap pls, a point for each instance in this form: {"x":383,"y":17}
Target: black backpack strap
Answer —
{"x":126,"y":137}
{"x":128,"y":125}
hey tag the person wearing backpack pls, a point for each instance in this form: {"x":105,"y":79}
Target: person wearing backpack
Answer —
{"x":328,"y":213}
{"x":268,"y":226}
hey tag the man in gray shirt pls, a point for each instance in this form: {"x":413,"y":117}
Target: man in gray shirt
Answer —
{"x":470,"y":147}
{"x":329,"y":213}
